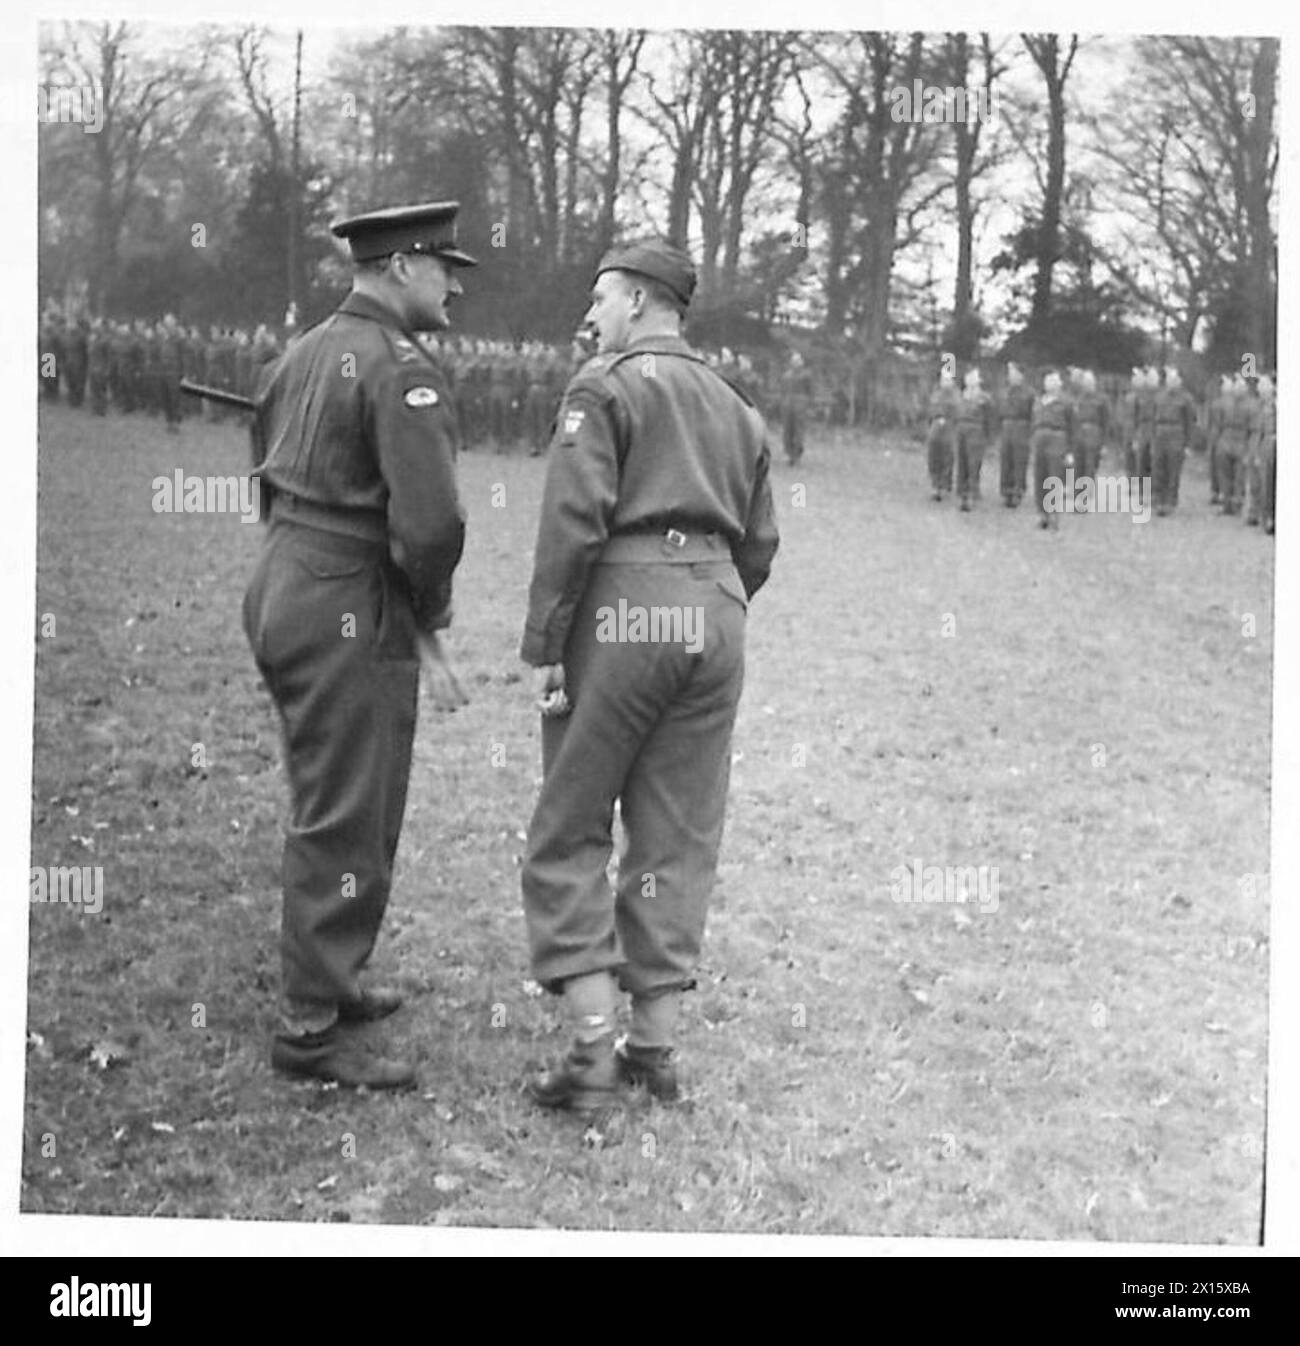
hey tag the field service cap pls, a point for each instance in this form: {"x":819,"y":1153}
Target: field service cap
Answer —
{"x":659,"y":260}
{"x":429,"y":228}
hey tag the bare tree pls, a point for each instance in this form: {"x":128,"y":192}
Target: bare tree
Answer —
{"x":967,"y":167}
{"x":874,"y":177}
{"x":147,"y":103}
{"x":620,"y":53}
{"x":1045,"y":50}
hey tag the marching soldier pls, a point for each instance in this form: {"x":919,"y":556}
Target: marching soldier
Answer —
{"x":1262,"y":455}
{"x":353,"y":587}
{"x":1146,"y":428}
{"x":975,"y":432}
{"x":1128,"y":422}
{"x":1091,"y":425}
{"x":939,"y":440}
{"x":657,"y":497}
{"x":1016,"y":410}
{"x":1174,"y":420}
{"x":1215,"y":412}
{"x":1051,"y":442}
{"x":1234,"y":426}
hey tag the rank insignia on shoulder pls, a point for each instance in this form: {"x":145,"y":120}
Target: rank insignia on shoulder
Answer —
{"x":573,"y":421}
{"x":421,"y":397}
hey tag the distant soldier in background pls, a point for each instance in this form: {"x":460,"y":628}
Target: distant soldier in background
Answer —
{"x":221,"y":368}
{"x":1091,"y":425}
{"x":1128,"y":421}
{"x":1015,"y":409}
{"x":1051,"y":441}
{"x":537,"y":405}
{"x":498,"y":387}
{"x":152,"y":335}
{"x":171,"y":364}
{"x":243,"y":364}
{"x":939,"y":440}
{"x":99,"y":363}
{"x":1263,"y":455}
{"x":796,"y":394}
{"x":1175,"y":418}
{"x":1146,"y":428}
{"x":137,"y":364}
{"x":265,"y":348}
{"x":118,"y":381}
{"x":76,"y":360}
{"x":1235,"y":418}
{"x":51,"y":354}
{"x":975,"y":432}
{"x":191,"y":342}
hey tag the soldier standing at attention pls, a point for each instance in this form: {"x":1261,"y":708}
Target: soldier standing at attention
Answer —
{"x":975,"y":432}
{"x":1175,"y":418}
{"x":1017,"y":406}
{"x":1051,"y":440}
{"x":358,"y":432}
{"x":657,"y":498}
{"x":939,"y":440}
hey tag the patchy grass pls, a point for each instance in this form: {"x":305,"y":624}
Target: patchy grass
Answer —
{"x":1084,"y":1062}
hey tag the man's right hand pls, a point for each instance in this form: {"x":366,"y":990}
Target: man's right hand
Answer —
{"x":444,"y":685}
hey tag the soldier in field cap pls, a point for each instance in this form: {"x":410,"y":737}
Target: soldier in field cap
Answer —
{"x":657,"y":501}
{"x":355,"y":434}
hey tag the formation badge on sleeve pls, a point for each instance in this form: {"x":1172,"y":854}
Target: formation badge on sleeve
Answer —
{"x":573,"y":421}
{"x":422,"y":396}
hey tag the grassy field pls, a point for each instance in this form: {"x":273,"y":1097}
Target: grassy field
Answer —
{"x":1086,"y":712}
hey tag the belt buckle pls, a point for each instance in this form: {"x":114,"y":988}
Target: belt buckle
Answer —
{"x":675,"y":537}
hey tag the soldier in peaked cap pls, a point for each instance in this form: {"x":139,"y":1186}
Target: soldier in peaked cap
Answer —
{"x":657,"y":502}
{"x":356,"y":435}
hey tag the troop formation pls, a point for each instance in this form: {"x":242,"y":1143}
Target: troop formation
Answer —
{"x":1054,"y":441}
{"x":137,"y":365}
{"x":507,"y":395}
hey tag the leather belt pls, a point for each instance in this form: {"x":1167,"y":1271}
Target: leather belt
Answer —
{"x":368,"y":525}
{"x":670,"y":546}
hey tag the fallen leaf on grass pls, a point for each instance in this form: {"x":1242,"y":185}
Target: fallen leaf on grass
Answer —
{"x":326,"y":1184}
{"x":447,"y":1182}
{"x":107,"y":1053}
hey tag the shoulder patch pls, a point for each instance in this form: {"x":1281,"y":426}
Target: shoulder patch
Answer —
{"x":573,"y":419}
{"x":422,"y":396}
